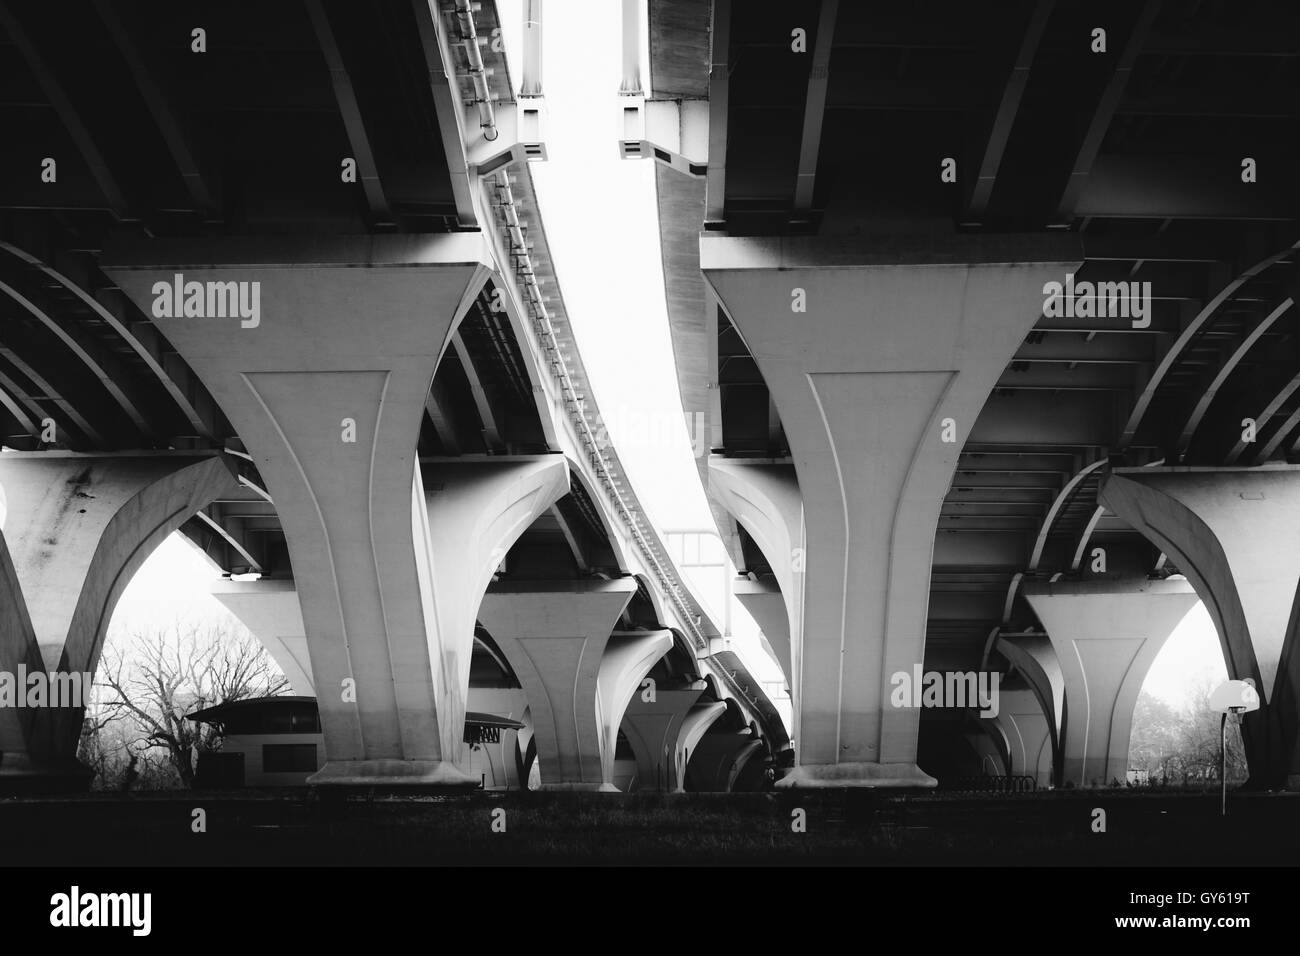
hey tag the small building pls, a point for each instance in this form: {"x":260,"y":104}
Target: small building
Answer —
{"x":277,"y":741}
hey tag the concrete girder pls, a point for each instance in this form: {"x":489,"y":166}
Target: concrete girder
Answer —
{"x":1230,"y":530}
{"x":578,"y":676}
{"x":1107,"y":634}
{"x":864,"y":414}
{"x":326,"y":388}
{"x":76,"y":528}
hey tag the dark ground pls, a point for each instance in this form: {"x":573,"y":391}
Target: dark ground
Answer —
{"x":293,"y":827}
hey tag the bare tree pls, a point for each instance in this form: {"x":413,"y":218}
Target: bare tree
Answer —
{"x":163,"y":674}
{"x":1182,"y":747}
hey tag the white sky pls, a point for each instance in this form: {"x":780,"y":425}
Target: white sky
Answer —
{"x":601,"y":222}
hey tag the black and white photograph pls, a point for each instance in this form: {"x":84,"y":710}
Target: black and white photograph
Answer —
{"x":472,"y":454}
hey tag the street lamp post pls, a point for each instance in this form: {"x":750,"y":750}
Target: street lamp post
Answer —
{"x":1232,"y":697}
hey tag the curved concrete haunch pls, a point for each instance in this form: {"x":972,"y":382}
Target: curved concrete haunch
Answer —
{"x":474,"y":513}
{"x":988,"y":744}
{"x":270,"y":610}
{"x":878,"y":360}
{"x":764,"y":499}
{"x":76,"y":529}
{"x":765,"y":603}
{"x":577,"y":675}
{"x":1232,"y":531}
{"x":1028,"y":734}
{"x":718,"y":759}
{"x":1034,"y":659}
{"x":653,"y":730}
{"x":498,"y":762}
{"x":1107,"y":634}
{"x":695,"y":725}
{"x":324,"y":369}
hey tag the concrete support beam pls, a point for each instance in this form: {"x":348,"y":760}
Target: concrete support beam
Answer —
{"x":1028,"y":734}
{"x":718,"y":758}
{"x":498,"y":764}
{"x":577,"y":675}
{"x":1232,"y":532}
{"x":270,"y":610}
{"x":1107,"y":634}
{"x":653,"y":729}
{"x":1034,"y":661}
{"x":766,"y":605}
{"x":325,"y":381}
{"x":879,"y":359}
{"x":76,"y":528}
{"x":985,"y":743}
{"x":764,"y":499}
{"x":475,"y":512}
{"x":695,"y":725}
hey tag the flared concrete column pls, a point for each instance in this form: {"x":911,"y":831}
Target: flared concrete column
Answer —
{"x":765,"y":603}
{"x":718,"y":759}
{"x":76,"y":528}
{"x":473,"y":513}
{"x":1028,"y":734}
{"x":879,"y":360}
{"x":1233,"y":532}
{"x":987,"y":744}
{"x":324,"y":371}
{"x":1107,"y":634}
{"x":695,"y":725}
{"x":270,"y":610}
{"x":764,"y":499}
{"x":498,"y":763}
{"x":1034,"y":659}
{"x":577,"y":675}
{"x":653,"y":728}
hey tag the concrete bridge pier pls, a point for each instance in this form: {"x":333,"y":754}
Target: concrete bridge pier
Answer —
{"x":878,"y":358}
{"x":653,"y":729}
{"x":1233,"y":532}
{"x":764,"y":499}
{"x":269,"y":609}
{"x":695,"y":727}
{"x":76,"y":528}
{"x":577,"y":672}
{"x":474,"y":511}
{"x":1028,"y":735}
{"x":718,"y":759}
{"x":1107,"y":633}
{"x":324,"y":370}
